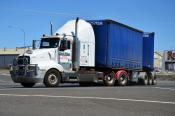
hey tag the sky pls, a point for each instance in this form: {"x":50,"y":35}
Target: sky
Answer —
{"x":33,"y":17}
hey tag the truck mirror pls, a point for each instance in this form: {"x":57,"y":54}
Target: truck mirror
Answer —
{"x":34,"y":44}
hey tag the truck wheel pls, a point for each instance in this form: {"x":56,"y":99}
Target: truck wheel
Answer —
{"x":122,"y":79}
{"x":109,"y":79}
{"x":52,"y":78}
{"x":27,"y":84}
{"x":150,"y":80}
{"x":154,"y":80}
{"x":145,"y":80}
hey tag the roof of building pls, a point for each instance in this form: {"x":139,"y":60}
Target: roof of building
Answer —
{"x":159,"y":53}
{"x":11,"y":51}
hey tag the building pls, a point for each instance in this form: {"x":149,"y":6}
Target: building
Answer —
{"x":158,"y":57}
{"x":7,"y":56}
{"x":169,"y":60}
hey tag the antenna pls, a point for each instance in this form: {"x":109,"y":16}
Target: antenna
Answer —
{"x":51,"y":28}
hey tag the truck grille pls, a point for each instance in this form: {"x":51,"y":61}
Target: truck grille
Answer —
{"x":23,"y":60}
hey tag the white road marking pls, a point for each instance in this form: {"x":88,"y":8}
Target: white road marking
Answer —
{"x":4,"y":74}
{"x":78,"y":97}
{"x":6,"y":89}
{"x":1,"y":81}
{"x":165,"y":88}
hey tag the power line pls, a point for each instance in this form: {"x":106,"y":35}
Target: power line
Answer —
{"x":46,"y":12}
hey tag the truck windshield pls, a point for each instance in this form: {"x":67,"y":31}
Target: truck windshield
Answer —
{"x":49,"y":43}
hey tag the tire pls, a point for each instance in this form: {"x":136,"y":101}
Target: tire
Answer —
{"x":144,"y":80}
{"x":109,"y":79}
{"x":52,"y":78}
{"x":28,"y":85}
{"x":154,"y":80}
{"x":123,"y":79}
{"x":150,"y":80}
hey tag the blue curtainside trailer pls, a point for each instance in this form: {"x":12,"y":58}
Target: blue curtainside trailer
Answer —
{"x":148,"y":51}
{"x":117,"y":45}
{"x":123,"y":53}
{"x":95,"y":51}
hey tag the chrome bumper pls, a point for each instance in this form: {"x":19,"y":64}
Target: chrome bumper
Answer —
{"x":26,"y":74}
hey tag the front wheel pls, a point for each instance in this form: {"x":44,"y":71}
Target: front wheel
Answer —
{"x":27,"y":84}
{"x":52,"y":78}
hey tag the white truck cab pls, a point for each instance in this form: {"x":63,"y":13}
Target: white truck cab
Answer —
{"x":59,"y":56}
{"x":100,"y":52}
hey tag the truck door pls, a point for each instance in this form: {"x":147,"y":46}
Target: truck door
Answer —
{"x":64,"y":55}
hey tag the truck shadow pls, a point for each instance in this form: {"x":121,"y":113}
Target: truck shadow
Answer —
{"x":68,"y":85}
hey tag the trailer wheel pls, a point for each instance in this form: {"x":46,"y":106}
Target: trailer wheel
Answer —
{"x":27,"y":84}
{"x":150,"y":80}
{"x":122,"y":78}
{"x":52,"y":78}
{"x":154,"y":80}
{"x":109,"y":79}
{"x":144,"y":79}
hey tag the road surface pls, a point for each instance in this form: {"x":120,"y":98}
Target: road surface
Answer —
{"x":72,"y":100}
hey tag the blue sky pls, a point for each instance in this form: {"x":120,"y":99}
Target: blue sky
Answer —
{"x":33,"y":16}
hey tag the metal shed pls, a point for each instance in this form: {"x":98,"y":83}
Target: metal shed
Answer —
{"x":6,"y":60}
{"x":7,"y":56}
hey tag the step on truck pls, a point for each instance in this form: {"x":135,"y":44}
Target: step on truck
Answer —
{"x":88,"y":52}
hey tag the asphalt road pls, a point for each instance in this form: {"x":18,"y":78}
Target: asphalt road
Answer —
{"x":72,"y":100}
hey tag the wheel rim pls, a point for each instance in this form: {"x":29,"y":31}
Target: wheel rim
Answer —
{"x":123,"y":79}
{"x":52,"y":79}
{"x":150,"y":81}
{"x":109,"y":79}
{"x":154,"y":81}
{"x":146,"y":81}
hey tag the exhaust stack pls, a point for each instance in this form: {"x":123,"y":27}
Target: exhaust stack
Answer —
{"x":51,"y":28}
{"x":34,"y":44}
{"x":75,"y":48}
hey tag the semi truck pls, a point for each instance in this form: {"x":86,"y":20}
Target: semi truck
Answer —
{"x":88,"y":51}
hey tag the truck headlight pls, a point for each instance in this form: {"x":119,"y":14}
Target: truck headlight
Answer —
{"x":29,"y":52}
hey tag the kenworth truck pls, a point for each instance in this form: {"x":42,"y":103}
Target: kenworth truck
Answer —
{"x":86,"y":52}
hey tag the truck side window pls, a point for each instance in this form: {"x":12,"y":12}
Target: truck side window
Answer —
{"x":68,"y":44}
{"x":64,"y":45}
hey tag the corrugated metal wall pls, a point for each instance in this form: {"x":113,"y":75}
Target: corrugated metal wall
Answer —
{"x":6,"y":60}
